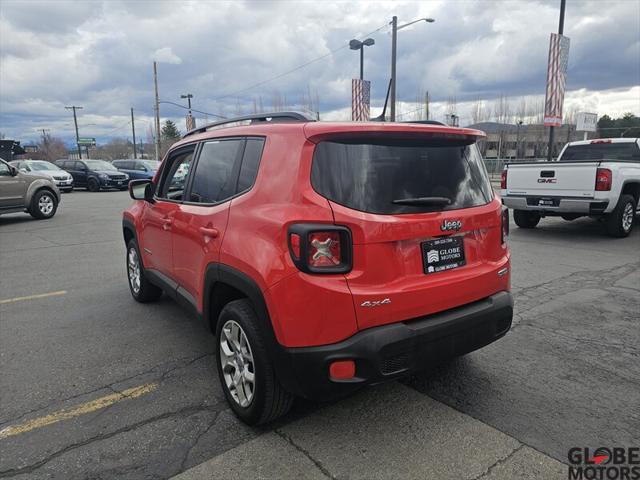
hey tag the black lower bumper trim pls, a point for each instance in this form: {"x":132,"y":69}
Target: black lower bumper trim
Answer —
{"x":390,"y":351}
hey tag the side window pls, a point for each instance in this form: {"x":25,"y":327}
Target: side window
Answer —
{"x":139,"y":166}
{"x":215,"y":176}
{"x":250,"y":163}
{"x":4,"y":170}
{"x":78,"y":166}
{"x":175,"y":176}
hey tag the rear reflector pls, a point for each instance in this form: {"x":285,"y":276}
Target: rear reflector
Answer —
{"x":603,"y":179}
{"x":295,"y":245}
{"x":503,"y":179}
{"x":342,"y":370}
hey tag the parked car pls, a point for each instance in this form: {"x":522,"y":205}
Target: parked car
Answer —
{"x":598,"y":178}
{"x":95,"y":175}
{"x":22,"y":192}
{"x":62,"y":179}
{"x":137,"y":169}
{"x":324,"y":256}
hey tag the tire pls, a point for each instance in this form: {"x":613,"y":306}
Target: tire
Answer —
{"x":142,"y":290}
{"x":93,"y":185}
{"x":619,"y":222}
{"x":44,"y":204}
{"x":525,"y":219}
{"x":266,"y":400}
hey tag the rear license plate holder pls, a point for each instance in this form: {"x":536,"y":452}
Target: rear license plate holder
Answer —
{"x":443,"y":254}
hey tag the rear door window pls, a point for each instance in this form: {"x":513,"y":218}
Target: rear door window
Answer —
{"x":216,"y":172}
{"x":396,"y":177}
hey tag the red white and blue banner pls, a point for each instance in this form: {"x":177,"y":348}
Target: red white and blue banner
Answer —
{"x":360,"y":100}
{"x":556,"y":79}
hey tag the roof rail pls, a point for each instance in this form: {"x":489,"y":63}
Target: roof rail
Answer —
{"x":274,"y":117}
{"x":427,"y":122}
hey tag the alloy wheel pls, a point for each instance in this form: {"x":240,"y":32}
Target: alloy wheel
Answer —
{"x":45,"y":204}
{"x":627,"y":217}
{"x":133,"y":268}
{"x":238,"y":366}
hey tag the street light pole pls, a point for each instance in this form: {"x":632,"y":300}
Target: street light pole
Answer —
{"x":157,"y":111}
{"x":75,"y":121}
{"x":133,"y":128}
{"x":551,"y":128}
{"x":394,"y":43}
{"x":358,"y":45}
{"x":394,"y":39}
{"x":188,"y":96}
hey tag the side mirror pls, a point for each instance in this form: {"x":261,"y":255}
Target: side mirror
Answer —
{"x":14,"y":170}
{"x":141,"y":190}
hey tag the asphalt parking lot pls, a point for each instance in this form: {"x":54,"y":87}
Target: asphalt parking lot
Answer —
{"x":94,"y":385}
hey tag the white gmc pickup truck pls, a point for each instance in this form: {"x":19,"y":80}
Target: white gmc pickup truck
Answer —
{"x":596,"y":178}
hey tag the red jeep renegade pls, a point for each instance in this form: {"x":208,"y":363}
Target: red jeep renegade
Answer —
{"x":325,"y":256}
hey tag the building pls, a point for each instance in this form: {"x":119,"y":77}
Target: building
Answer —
{"x":9,"y":149}
{"x":507,"y":141}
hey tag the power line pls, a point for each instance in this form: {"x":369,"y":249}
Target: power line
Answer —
{"x":193,"y":109}
{"x":299,"y":67}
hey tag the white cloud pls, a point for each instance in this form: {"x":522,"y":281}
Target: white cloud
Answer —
{"x":166,"y":55}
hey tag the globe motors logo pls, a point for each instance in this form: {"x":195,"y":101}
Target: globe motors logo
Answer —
{"x":603,"y":463}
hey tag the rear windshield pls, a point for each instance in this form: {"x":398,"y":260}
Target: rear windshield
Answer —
{"x":401,"y":177}
{"x":627,"y":151}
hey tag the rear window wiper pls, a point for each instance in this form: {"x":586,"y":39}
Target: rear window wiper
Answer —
{"x":431,"y":201}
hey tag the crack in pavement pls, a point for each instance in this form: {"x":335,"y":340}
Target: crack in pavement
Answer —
{"x":317,"y":463}
{"x":195,"y":442}
{"x":184,"y":411}
{"x":500,"y":461}
{"x":161,"y":378}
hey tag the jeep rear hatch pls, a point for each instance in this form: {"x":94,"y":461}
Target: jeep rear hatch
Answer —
{"x":425,"y":224}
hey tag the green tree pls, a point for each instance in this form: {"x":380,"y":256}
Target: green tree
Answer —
{"x":626,"y":126}
{"x":170,"y":131}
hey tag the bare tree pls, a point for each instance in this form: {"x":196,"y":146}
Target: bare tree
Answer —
{"x":49,"y":148}
{"x":502,"y":109}
{"x":116,"y":148}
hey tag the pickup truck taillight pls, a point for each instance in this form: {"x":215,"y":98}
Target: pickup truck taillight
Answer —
{"x":503,"y":179}
{"x":504,"y":233}
{"x":320,"y":248}
{"x":603,"y":179}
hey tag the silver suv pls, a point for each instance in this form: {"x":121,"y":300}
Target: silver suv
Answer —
{"x":20,"y":192}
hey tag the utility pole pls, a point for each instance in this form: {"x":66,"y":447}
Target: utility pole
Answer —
{"x":426,"y":105}
{"x":394,"y":38}
{"x":560,"y":32}
{"x":75,"y":121}
{"x":157,"y":110}
{"x":133,"y":129}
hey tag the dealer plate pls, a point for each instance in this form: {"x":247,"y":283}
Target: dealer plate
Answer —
{"x":443,"y":254}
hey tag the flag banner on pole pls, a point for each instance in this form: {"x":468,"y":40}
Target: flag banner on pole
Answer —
{"x":191,"y":122}
{"x":360,"y":98}
{"x":556,"y":79}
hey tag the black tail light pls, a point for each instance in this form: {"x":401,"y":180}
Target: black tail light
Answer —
{"x":320,"y":248}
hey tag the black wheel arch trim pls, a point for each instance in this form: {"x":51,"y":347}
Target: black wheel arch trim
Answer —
{"x":218,"y":272}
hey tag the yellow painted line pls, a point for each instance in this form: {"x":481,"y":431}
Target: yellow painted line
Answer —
{"x":33,"y":297}
{"x":77,"y":410}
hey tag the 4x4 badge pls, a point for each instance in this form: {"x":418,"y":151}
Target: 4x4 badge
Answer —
{"x":451,"y":225}
{"x":375,"y":303}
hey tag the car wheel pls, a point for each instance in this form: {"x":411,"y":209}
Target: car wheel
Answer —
{"x":93,"y":185}
{"x":525,"y":219}
{"x":141,"y":288}
{"x":245,"y":370}
{"x":43,"y":204}
{"x":620,"y":222}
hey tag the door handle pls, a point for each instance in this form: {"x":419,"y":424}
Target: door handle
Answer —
{"x":166,"y":224}
{"x":209,"y":232}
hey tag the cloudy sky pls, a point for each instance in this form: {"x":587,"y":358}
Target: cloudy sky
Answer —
{"x":230,"y":55}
